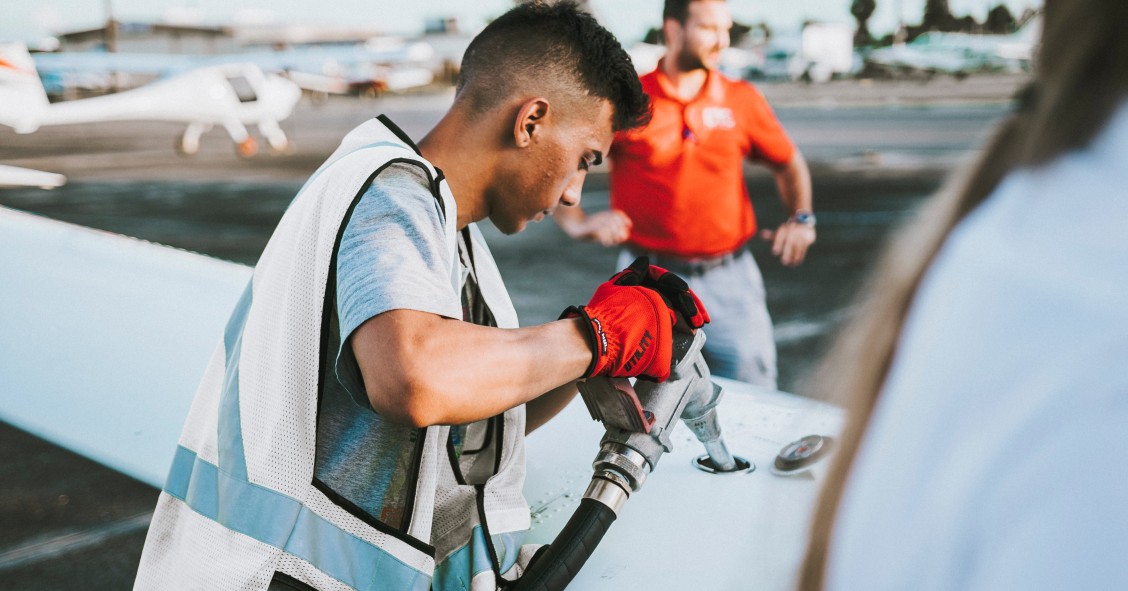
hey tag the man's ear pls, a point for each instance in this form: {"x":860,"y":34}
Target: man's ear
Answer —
{"x":671,"y":32}
{"x":530,"y":120}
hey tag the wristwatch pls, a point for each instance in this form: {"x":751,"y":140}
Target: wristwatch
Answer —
{"x":802,"y":217}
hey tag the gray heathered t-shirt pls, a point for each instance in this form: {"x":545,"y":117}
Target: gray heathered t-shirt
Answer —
{"x":393,"y":255}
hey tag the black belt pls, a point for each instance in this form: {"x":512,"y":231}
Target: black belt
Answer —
{"x":689,"y":267}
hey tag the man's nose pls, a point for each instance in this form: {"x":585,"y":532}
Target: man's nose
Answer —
{"x":573,"y":190}
{"x":723,"y":40}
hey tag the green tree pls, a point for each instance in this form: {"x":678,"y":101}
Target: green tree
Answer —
{"x":862,"y":10}
{"x":937,"y":16}
{"x":1000,"y":20}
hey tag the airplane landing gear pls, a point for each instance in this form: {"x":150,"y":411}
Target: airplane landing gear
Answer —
{"x":247,"y":148}
{"x":188,"y":142}
{"x":285,"y":148}
{"x":279,"y":144}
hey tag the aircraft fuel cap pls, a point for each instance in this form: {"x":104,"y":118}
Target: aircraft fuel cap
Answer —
{"x":798,"y":456}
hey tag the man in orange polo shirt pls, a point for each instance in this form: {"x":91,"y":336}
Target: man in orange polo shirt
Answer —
{"x":678,"y":193}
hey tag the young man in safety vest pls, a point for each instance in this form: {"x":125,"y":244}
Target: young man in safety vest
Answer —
{"x":362,"y":424}
{"x":678,"y":193}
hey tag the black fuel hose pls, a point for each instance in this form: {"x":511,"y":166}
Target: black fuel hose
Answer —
{"x":555,"y":567}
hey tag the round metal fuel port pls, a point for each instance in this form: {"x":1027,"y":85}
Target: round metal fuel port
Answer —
{"x":798,"y":456}
{"x":705,"y":464}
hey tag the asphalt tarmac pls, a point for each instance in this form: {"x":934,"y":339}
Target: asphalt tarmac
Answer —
{"x":876,"y":152}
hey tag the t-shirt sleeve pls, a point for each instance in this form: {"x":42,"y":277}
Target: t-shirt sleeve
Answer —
{"x":393,"y":255}
{"x":767,"y":137}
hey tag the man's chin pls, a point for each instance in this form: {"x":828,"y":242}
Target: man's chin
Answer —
{"x":510,"y":228}
{"x":711,"y":61}
{"x":690,"y":62}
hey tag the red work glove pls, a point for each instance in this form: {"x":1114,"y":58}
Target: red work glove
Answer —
{"x":630,"y":331}
{"x":630,"y":319}
{"x":690,"y":312}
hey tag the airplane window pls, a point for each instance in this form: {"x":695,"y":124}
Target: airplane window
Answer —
{"x":242,"y":88}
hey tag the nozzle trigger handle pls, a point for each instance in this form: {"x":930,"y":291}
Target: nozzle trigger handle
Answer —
{"x":614,"y":402}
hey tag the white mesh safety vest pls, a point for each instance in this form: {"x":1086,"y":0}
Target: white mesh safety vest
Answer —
{"x":240,"y":508}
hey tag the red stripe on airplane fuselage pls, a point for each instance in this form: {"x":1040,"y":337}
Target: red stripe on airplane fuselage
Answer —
{"x":6,"y":64}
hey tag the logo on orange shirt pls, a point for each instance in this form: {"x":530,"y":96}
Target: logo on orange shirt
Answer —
{"x":714,"y":117}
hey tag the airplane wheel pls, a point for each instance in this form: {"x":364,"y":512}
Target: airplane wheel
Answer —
{"x":285,"y":150}
{"x":248,"y":147}
{"x":185,"y":148}
{"x":372,"y":92}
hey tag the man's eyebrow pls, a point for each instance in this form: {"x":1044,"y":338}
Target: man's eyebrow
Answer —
{"x":598,"y":158}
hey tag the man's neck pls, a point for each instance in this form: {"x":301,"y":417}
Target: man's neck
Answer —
{"x":462,"y":165}
{"x":687,"y":84}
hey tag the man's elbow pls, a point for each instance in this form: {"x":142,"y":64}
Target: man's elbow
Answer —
{"x":413,"y":402}
{"x":798,"y":164}
{"x":793,"y":164}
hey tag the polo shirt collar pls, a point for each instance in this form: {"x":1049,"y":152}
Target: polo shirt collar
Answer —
{"x":712,"y":89}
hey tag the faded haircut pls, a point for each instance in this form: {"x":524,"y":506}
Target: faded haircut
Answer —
{"x":555,"y":48}
{"x":678,"y":9}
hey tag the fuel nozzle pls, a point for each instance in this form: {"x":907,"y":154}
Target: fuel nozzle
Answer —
{"x":641,"y":418}
{"x":639,"y":421}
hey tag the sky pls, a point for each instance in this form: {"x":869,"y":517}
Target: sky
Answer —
{"x":31,"y":20}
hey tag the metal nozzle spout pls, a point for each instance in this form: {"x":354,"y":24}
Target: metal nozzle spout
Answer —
{"x":720,"y":455}
{"x":708,"y":431}
{"x":700,"y":415}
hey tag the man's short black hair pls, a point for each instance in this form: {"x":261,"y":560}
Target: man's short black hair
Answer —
{"x":677,"y":10}
{"x":543,"y":45}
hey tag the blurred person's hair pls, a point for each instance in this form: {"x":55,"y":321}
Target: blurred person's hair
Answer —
{"x":556,"y":50}
{"x":1081,"y":76}
{"x":679,"y":9}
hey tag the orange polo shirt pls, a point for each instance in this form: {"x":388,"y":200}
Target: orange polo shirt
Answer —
{"x":681,"y":178}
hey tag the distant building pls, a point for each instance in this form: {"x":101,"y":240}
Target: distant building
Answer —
{"x":135,"y":37}
{"x":284,"y":36}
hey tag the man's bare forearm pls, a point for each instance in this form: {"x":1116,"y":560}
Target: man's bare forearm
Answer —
{"x":571,"y":220}
{"x":794,"y":183}
{"x":422,"y":369}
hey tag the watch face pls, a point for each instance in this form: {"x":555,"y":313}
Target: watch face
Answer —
{"x":803,"y":218}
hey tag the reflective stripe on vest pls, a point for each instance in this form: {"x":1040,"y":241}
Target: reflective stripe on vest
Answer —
{"x":474,"y":558}
{"x":225,"y":495}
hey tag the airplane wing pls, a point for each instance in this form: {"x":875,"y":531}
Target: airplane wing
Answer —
{"x":106,"y":338}
{"x":686,"y":528}
{"x":398,"y":64}
{"x":14,"y":176}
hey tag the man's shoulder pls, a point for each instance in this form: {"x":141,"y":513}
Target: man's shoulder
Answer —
{"x":400,"y":184}
{"x":650,"y":84}
{"x":406,"y":170}
{"x":375,"y":144}
{"x":736,"y":87}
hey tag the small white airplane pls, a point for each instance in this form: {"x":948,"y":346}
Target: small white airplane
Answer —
{"x":103,"y":355}
{"x":959,"y":54}
{"x":230,"y":95}
{"x":383,"y":64}
{"x":380,"y":65}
